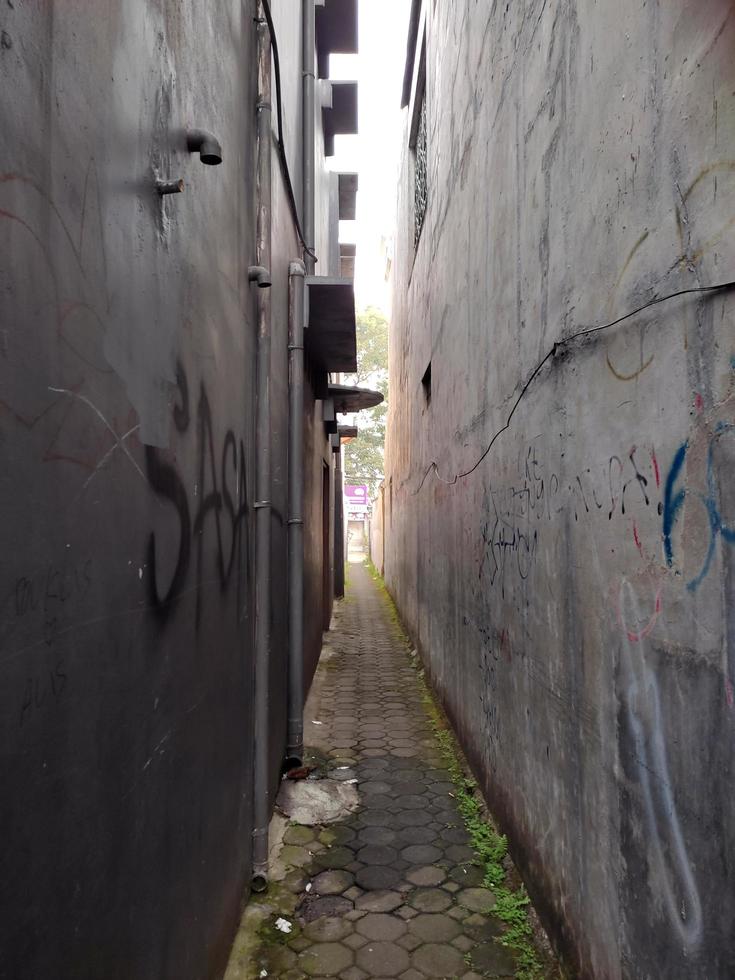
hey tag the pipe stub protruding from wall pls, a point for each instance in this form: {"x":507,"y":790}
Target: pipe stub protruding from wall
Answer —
{"x":203,"y":143}
{"x":260,"y":275}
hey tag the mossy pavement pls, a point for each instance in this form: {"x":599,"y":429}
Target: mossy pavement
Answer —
{"x":417,"y":883}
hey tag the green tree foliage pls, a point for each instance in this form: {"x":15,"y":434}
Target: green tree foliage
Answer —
{"x":364,"y":456}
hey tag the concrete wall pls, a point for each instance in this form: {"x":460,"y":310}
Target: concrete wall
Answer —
{"x":377,"y":531}
{"x":573,"y":596}
{"x":127,"y":398}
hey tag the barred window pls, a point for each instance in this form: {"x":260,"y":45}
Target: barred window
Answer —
{"x":421,"y":175}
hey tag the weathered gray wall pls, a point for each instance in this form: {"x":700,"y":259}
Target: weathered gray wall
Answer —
{"x":573,"y":597}
{"x":127,"y":394}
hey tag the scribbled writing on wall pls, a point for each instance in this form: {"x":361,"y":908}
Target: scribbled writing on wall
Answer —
{"x":221,"y":502}
{"x":516,"y":512}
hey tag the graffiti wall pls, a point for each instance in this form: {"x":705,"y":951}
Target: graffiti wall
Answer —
{"x":559,"y":524}
{"x":126,"y":488}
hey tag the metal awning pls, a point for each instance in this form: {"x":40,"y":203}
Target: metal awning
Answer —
{"x":350,"y":399}
{"x":336,"y":31}
{"x":341,"y":117}
{"x":329,"y":338}
{"x":347,"y":196}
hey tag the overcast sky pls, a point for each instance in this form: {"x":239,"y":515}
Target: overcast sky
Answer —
{"x":375,"y":152}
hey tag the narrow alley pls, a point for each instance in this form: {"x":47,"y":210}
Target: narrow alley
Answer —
{"x":397,"y":888}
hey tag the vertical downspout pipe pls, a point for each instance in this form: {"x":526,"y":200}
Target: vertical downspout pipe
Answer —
{"x":263,"y":468}
{"x":339,"y":532}
{"x":296,"y":287}
{"x":308,"y":35}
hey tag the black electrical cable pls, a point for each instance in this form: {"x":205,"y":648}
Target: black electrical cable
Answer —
{"x":565,"y":341}
{"x":281,"y":147}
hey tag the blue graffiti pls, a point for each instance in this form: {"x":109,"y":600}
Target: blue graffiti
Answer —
{"x":674,"y":501}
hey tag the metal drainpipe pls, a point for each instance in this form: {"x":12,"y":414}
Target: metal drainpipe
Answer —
{"x":308,"y":30}
{"x":339,"y":533}
{"x":296,"y":286}
{"x":263,"y":473}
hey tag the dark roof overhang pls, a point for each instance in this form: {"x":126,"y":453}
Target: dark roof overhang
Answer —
{"x":341,"y":117}
{"x":336,"y":31}
{"x":347,"y":432}
{"x":329,"y":338}
{"x":351,"y":399}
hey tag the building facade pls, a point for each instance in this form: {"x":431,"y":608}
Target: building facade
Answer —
{"x":151,"y":259}
{"x":557,"y":507}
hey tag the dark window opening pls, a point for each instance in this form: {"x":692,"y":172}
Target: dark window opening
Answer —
{"x":426,"y":384}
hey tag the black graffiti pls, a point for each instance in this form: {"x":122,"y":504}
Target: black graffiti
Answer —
{"x":42,"y":689}
{"x":216,"y":504}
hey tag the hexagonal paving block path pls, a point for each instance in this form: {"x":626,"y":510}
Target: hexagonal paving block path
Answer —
{"x":392,"y":891}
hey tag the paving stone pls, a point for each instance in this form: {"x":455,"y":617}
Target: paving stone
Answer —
{"x":332,"y":882}
{"x":335,"y":857}
{"x":314,"y":908}
{"x":430,"y":900}
{"x":412,"y":802}
{"x":435,"y":960}
{"x":435,"y":928}
{"x":355,"y":940}
{"x":409,"y":942}
{"x":450,"y":886}
{"x":383,"y":959}
{"x":381,"y":927}
{"x":343,"y":774}
{"x":409,"y":776}
{"x":338,"y":835}
{"x":426,"y":877}
{"x":295,"y":881}
{"x":295,"y":857}
{"x":460,"y":854}
{"x":297,"y":834}
{"x":325,"y":959}
{"x":279,"y":959}
{"x":374,"y":786}
{"x":380,"y":801}
{"x":379,"y":901}
{"x":377,"y":854}
{"x":413,"y":818}
{"x":327,"y":929}
{"x":493,"y":958}
{"x":416,"y":835}
{"x":476,"y":899}
{"x":458,"y":913}
{"x":463,"y":943}
{"x":376,"y":835}
{"x":299,"y":943}
{"x":377,"y":878}
{"x":421,"y":854}
{"x":482,"y":928}
{"x":353,"y":973}
{"x":376,"y":818}
{"x":353,"y":893}
{"x":468,"y":875}
{"x":406,"y":912}
{"x":412,"y":974}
